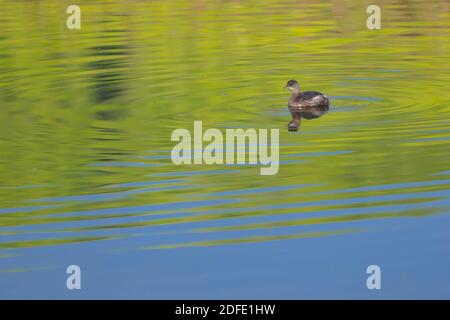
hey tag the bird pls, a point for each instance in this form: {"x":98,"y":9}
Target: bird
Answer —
{"x":307,"y":104}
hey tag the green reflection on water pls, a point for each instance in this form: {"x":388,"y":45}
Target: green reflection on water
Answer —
{"x":251,"y":239}
{"x":84,"y":111}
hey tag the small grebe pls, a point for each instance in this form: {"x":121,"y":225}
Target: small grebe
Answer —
{"x":307,"y":105}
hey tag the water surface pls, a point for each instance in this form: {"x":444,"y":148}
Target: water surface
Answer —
{"x":85,"y":170}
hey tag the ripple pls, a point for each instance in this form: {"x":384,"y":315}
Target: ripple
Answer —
{"x":85,"y":146}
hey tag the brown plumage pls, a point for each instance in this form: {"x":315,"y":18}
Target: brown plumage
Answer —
{"x":307,"y":105}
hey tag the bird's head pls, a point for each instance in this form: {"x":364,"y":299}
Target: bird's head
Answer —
{"x":293,"y":86}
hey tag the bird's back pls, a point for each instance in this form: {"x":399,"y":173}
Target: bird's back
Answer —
{"x":308,"y":95}
{"x":309,"y":104}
